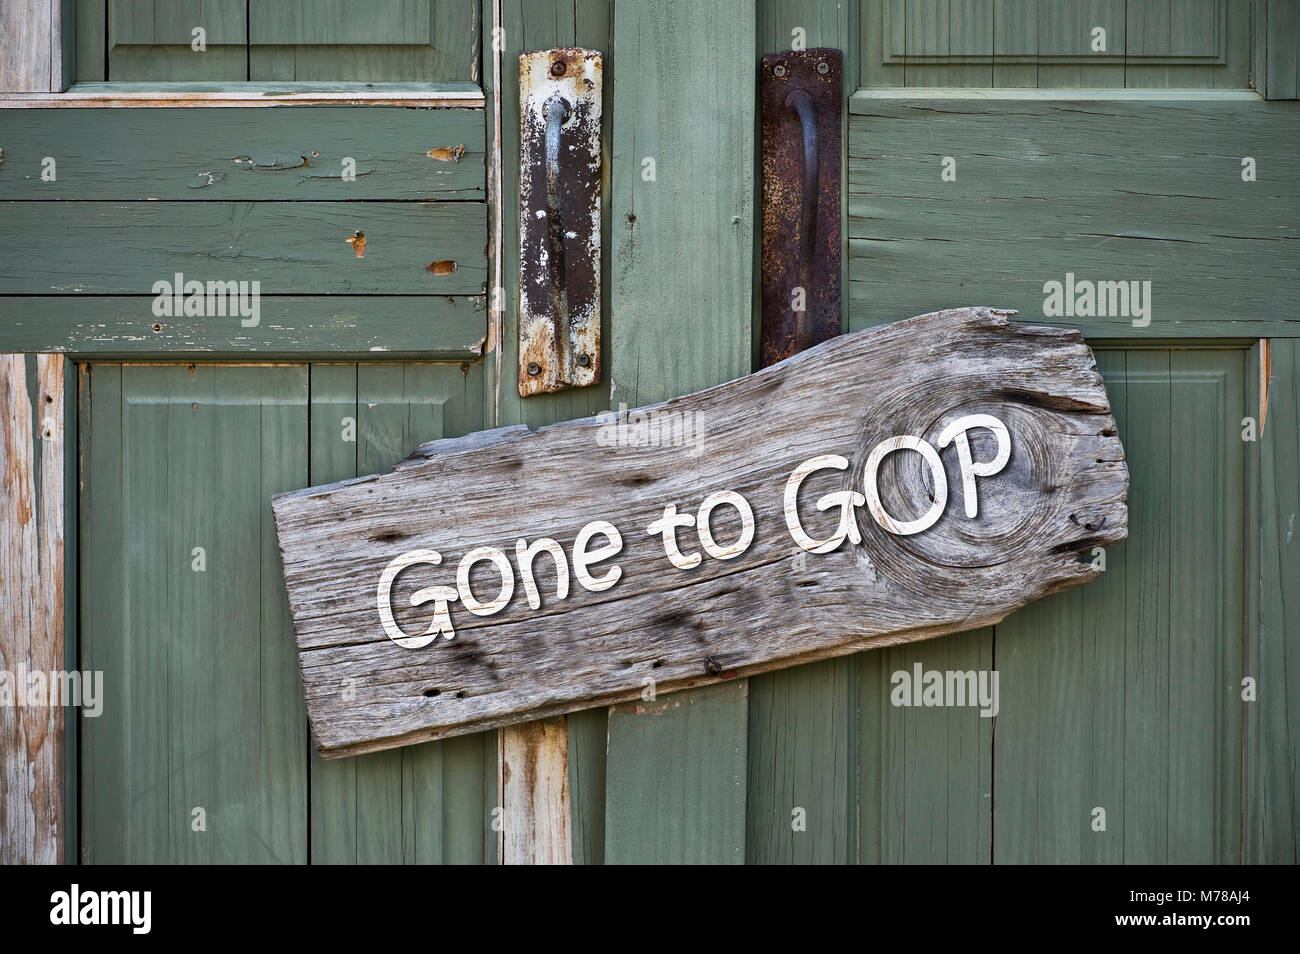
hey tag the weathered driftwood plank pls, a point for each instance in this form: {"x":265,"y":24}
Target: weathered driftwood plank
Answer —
{"x":31,"y":609}
{"x":736,"y":607}
{"x":534,"y":785}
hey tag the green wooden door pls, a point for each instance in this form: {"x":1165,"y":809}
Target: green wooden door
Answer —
{"x":202,"y":752}
{"x":990,"y":150}
{"x":993,"y":149}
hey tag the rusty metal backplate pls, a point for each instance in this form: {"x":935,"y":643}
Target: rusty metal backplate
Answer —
{"x":559,"y":219}
{"x":800,"y":96}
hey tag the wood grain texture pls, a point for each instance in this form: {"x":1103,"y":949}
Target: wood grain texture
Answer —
{"x":1272,"y":806}
{"x":382,"y":328}
{"x":1280,"y":32}
{"x":149,"y":43}
{"x":1125,"y":695}
{"x":421,"y":804}
{"x":242,"y":154}
{"x":1032,"y":178}
{"x":1037,"y":43}
{"x":924,"y":775}
{"x":681,"y":250}
{"x":32,"y":586}
{"x":685,"y":750}
{"x":200,"y":710}
{"x":535,"y":787}
{"x":900,"y":379}
{"x":89,"y":248}
{"x":384,"y":41}
{"x":200,"y":95}
{"x":32,"y":50}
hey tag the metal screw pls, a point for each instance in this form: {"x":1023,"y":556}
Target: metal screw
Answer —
{"x":534,"y":368}
{"x":778,"y":70}
{"x":584,"y":360}
{"x":712,"y":666}
{"x":823,"y":68}
{"x":557,"y":68}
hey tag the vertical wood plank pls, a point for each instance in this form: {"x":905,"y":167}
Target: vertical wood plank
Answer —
{"x":91,"y":26}
{"x":426,"y":803}
{"x":1272,"y":786}
{"x":32,"y":46}
{"x":535,"y":791}
{"x":32,"y":444}
{"x":676,"y":778}
{"x":681,"y":300}
{"x":1282,"y":55}
{"x":581,"y":798}
{"x":923,"y":774}
{"x":199,"y":753}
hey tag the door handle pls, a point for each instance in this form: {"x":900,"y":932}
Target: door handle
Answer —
{"x":799,"y":102}
{"x":559,"y":219}
{"x":800,"y":96}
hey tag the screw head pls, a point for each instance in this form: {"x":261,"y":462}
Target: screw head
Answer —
{"x":557,"y":68}
{"x":584,"y":360}
{"x":779,"y":70}
{"x":823,"y":68}
{"x":534,"y":368}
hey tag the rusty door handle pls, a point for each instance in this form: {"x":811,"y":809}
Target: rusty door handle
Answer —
{"x":800,"y":92}
{"x":556,"y":112}
{"x":800,"y":103}
{"x":559,"y":219}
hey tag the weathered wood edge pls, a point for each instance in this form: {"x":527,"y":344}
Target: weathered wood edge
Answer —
{"x":449,"y":446}
{"x":33,"y":427}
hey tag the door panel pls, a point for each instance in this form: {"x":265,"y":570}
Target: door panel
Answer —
{"x":203,"y":698}
{"x":153,"y":42}
{"x":1125,"y":695}
{"x":1003,"y":44}
{"x":200,"y":752}
{"x":380,"y":41}
{"x":1122,"y":695}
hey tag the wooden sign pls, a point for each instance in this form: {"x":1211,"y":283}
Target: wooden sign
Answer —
{"x":891,"y":485}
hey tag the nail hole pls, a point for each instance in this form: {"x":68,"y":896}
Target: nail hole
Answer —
{"x":430,"y":693}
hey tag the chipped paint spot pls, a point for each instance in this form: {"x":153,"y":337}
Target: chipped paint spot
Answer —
{"x":445,"y":267}
{"x":446,"y":154}
{"x":358,"y":242}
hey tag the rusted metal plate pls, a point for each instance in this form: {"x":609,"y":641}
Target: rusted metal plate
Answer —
{"x":800,"y":95}
{"x":559,"y":220}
